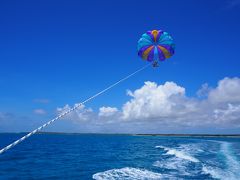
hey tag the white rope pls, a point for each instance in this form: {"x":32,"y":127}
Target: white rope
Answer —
{"x":70,"y":110}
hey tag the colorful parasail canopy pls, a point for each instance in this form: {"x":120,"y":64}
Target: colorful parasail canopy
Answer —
{"x":155,"y":45}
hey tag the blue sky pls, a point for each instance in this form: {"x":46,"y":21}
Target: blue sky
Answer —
{"x":54,"y":53}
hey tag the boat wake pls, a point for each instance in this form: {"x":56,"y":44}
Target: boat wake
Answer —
{"x":127,"y":173}
{"x":179,"y":154}
{"x":213,"y":160}
{"x":231,"y":165}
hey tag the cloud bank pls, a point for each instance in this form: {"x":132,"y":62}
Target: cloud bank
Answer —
{"x":154,"y":106}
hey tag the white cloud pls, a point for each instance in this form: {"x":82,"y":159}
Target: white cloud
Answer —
{"x":169,"y":105}
{"x":227,"y":91}
{"x":154,"y":106}
{"x":107,"y":111}
{"x":151,"y":101}
{"x":203,"y":91}
{"x":80,"y":114}
{"x":39,"y":111}
{"x":229,"y":114}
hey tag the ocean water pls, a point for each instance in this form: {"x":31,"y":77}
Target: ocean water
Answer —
{"x":62,"y":156}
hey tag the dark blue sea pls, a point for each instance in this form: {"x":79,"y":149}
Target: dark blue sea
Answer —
{"x":66,"y":156}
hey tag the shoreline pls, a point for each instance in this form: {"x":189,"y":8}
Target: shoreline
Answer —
{"x":191,"y":135}
{"x":132,"y":134}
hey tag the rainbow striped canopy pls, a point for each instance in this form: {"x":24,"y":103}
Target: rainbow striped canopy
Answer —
{"x":155,"y":45}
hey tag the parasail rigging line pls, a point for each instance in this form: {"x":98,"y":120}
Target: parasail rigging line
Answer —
{"x":70,"y":110}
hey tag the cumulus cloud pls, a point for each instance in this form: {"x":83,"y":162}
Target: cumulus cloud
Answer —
{"x":152,"y":101}
{"x":39,"y":111}
{"x":80,"y":114}
{"x":229,"y":114}
{"x":203,"y":91}
{"x":228,"y":90}
{"x":169,"y":104}
{"x":166,"y":105}
{"x":107,"y":111}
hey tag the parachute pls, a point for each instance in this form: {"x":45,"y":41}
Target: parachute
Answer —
{"x":155,"y":45}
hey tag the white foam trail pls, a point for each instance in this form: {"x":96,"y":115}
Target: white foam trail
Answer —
{"x":127,"y":173}
{"x":178,"y":154}
{"x":178,"y":165}
{"x":231,"y":159}
{"x":194,"y":148}
{"x":232,"y":171}
{"x":214,"y":172}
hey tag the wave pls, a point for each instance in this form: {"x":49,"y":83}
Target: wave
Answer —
{"x":194,"y":148}
{"x":214,"y":172}
{"x":183,"y":163}
{"x":179,"y":154}
{"x":232,"y":169}
{"x":174,"y":165}
{"x":127,"y":173}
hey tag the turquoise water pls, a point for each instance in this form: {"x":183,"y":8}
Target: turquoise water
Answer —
{"x":61,"y":156}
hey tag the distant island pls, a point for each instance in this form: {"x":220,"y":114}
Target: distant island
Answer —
{"x":192,"y":135}
{"x":133,"y":134}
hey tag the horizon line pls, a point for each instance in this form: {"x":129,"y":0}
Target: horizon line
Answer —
{"x":136,"y":134}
